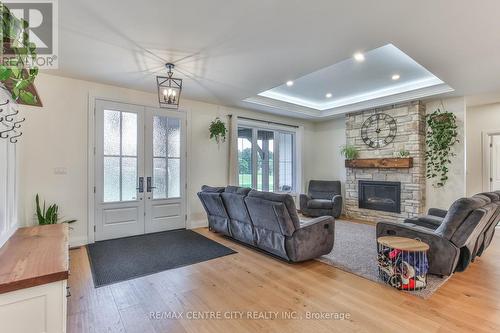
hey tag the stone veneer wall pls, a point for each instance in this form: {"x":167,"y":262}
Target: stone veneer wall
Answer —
{"x":410,"y":119}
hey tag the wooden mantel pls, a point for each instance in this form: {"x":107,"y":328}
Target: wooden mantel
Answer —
{"x":381,"y":163}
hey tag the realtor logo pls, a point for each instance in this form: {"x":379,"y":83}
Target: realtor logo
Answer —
{"x":41,"y":16}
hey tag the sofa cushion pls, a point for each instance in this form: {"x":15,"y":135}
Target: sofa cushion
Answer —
{"x":240,"y":225}
{"x":288,"y":205}
{"x":320,"y":204}
{"x":212,"y":189}
{"x":237,"y":190}
{"x":457,"y":213}
{"x":494,"y":197}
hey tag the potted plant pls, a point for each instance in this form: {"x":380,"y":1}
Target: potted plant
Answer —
{"x":218,"y":130}
{"x":349,"y":152}
{"x":403,"y":153}
{"x":49,"y":215}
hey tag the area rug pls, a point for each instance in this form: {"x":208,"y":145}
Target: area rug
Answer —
{"x":355,"y":251}
{"x":127,"y":258}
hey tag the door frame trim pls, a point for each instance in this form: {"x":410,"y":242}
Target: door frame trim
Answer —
{"x":486,"y":158}
{"x":91,"y":140}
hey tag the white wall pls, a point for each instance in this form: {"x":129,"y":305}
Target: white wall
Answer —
{"x":444,"y":196}
{"x":55,"y":136}
{"x":480,"y":119}
{"x":325,"y":161}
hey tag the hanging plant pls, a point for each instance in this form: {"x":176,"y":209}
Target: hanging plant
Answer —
{"x":441,"y":135}
{"x":218,"y":130}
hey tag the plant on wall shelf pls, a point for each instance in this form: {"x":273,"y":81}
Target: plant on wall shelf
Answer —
{"x":441,"y":135}
{"x":16,"y":74}
{"x":49,"y":215}
{"x":349,"y":152}
{"x":403,"y":153}
{"x":218,"y":130}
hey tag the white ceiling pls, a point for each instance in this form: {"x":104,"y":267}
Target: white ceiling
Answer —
{"x":351,"y":82}
{"x":228,"y":51}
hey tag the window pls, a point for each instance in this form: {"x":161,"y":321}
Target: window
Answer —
{"x":120,"y":156}
{"x":266,"y":159}
{"x":166,"y":157}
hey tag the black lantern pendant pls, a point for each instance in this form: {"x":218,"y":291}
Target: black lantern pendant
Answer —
{"x":169,"y":89}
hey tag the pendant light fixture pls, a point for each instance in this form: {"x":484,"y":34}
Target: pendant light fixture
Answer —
{"x":169,"y":89}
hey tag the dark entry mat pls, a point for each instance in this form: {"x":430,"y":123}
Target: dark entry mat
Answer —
{"x":123,"y":259}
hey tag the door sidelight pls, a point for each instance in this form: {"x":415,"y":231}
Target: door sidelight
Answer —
{"x":149,"y":187}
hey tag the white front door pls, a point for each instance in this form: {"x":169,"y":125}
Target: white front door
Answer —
{"x":165,"y":170}
{"x":139,"y":170}
{"x":495,"y":163}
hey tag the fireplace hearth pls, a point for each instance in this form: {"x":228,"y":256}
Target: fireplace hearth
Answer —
{"x":380,"y":195}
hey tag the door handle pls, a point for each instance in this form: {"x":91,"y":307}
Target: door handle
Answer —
{"x":148,"y":184}
{"x":141,"y":185}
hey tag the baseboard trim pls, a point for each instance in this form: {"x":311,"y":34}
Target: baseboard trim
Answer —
{"x":77,"y":241}
{"x":193,"y":224}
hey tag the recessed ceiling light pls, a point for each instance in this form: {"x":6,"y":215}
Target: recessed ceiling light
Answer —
{"x":329,"y":95}
{"x":359,"y":56}
{"x":289,"y":83}
{"x":395,"y":77}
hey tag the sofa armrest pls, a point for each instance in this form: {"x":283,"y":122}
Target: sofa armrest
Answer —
{"x":427,"y":221}
{"x":443,"y":255}
{"x":437,"y":212}
{"x":304,"y":198}
{"x":337,"y":205}
{"x":312,"y":239}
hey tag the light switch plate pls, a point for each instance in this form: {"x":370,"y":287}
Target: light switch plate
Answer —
{"x":60,"y":171}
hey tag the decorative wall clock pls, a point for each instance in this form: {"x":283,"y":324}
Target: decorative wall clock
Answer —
{"x":379,"y":130}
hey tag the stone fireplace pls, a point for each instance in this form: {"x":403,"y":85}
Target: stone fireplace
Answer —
{"x":381,"y":193}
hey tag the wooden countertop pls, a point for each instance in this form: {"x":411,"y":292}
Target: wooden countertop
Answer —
{"x":34,"y":256}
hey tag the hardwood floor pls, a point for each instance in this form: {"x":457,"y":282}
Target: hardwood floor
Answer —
{"x":250,"y":281}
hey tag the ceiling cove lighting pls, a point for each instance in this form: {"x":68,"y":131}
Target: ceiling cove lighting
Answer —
{"x":169,"y":89}
{"x":289,"y":83}
{"x":359,"y":57}
{"x":351,"y":83}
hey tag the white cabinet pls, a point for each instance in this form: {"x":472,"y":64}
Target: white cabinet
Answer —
{"x":39,"y":309}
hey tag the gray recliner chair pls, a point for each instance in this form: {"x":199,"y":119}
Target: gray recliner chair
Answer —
{"x":323,"y":198}
{"x":435,"y":217}
{"x":453,"y":242}
{"x":268,"y":221}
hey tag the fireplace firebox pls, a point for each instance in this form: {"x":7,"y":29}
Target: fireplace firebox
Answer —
{"x":379,"y":195}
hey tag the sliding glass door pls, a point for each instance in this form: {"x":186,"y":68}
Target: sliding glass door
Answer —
{"x":266,"y":159}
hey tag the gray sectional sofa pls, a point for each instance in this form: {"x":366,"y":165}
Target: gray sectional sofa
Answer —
{"x":267,"y":221}
{"x":455,"y":236}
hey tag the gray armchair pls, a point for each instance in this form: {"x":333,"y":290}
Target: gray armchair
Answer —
{"x":323,"y":198}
